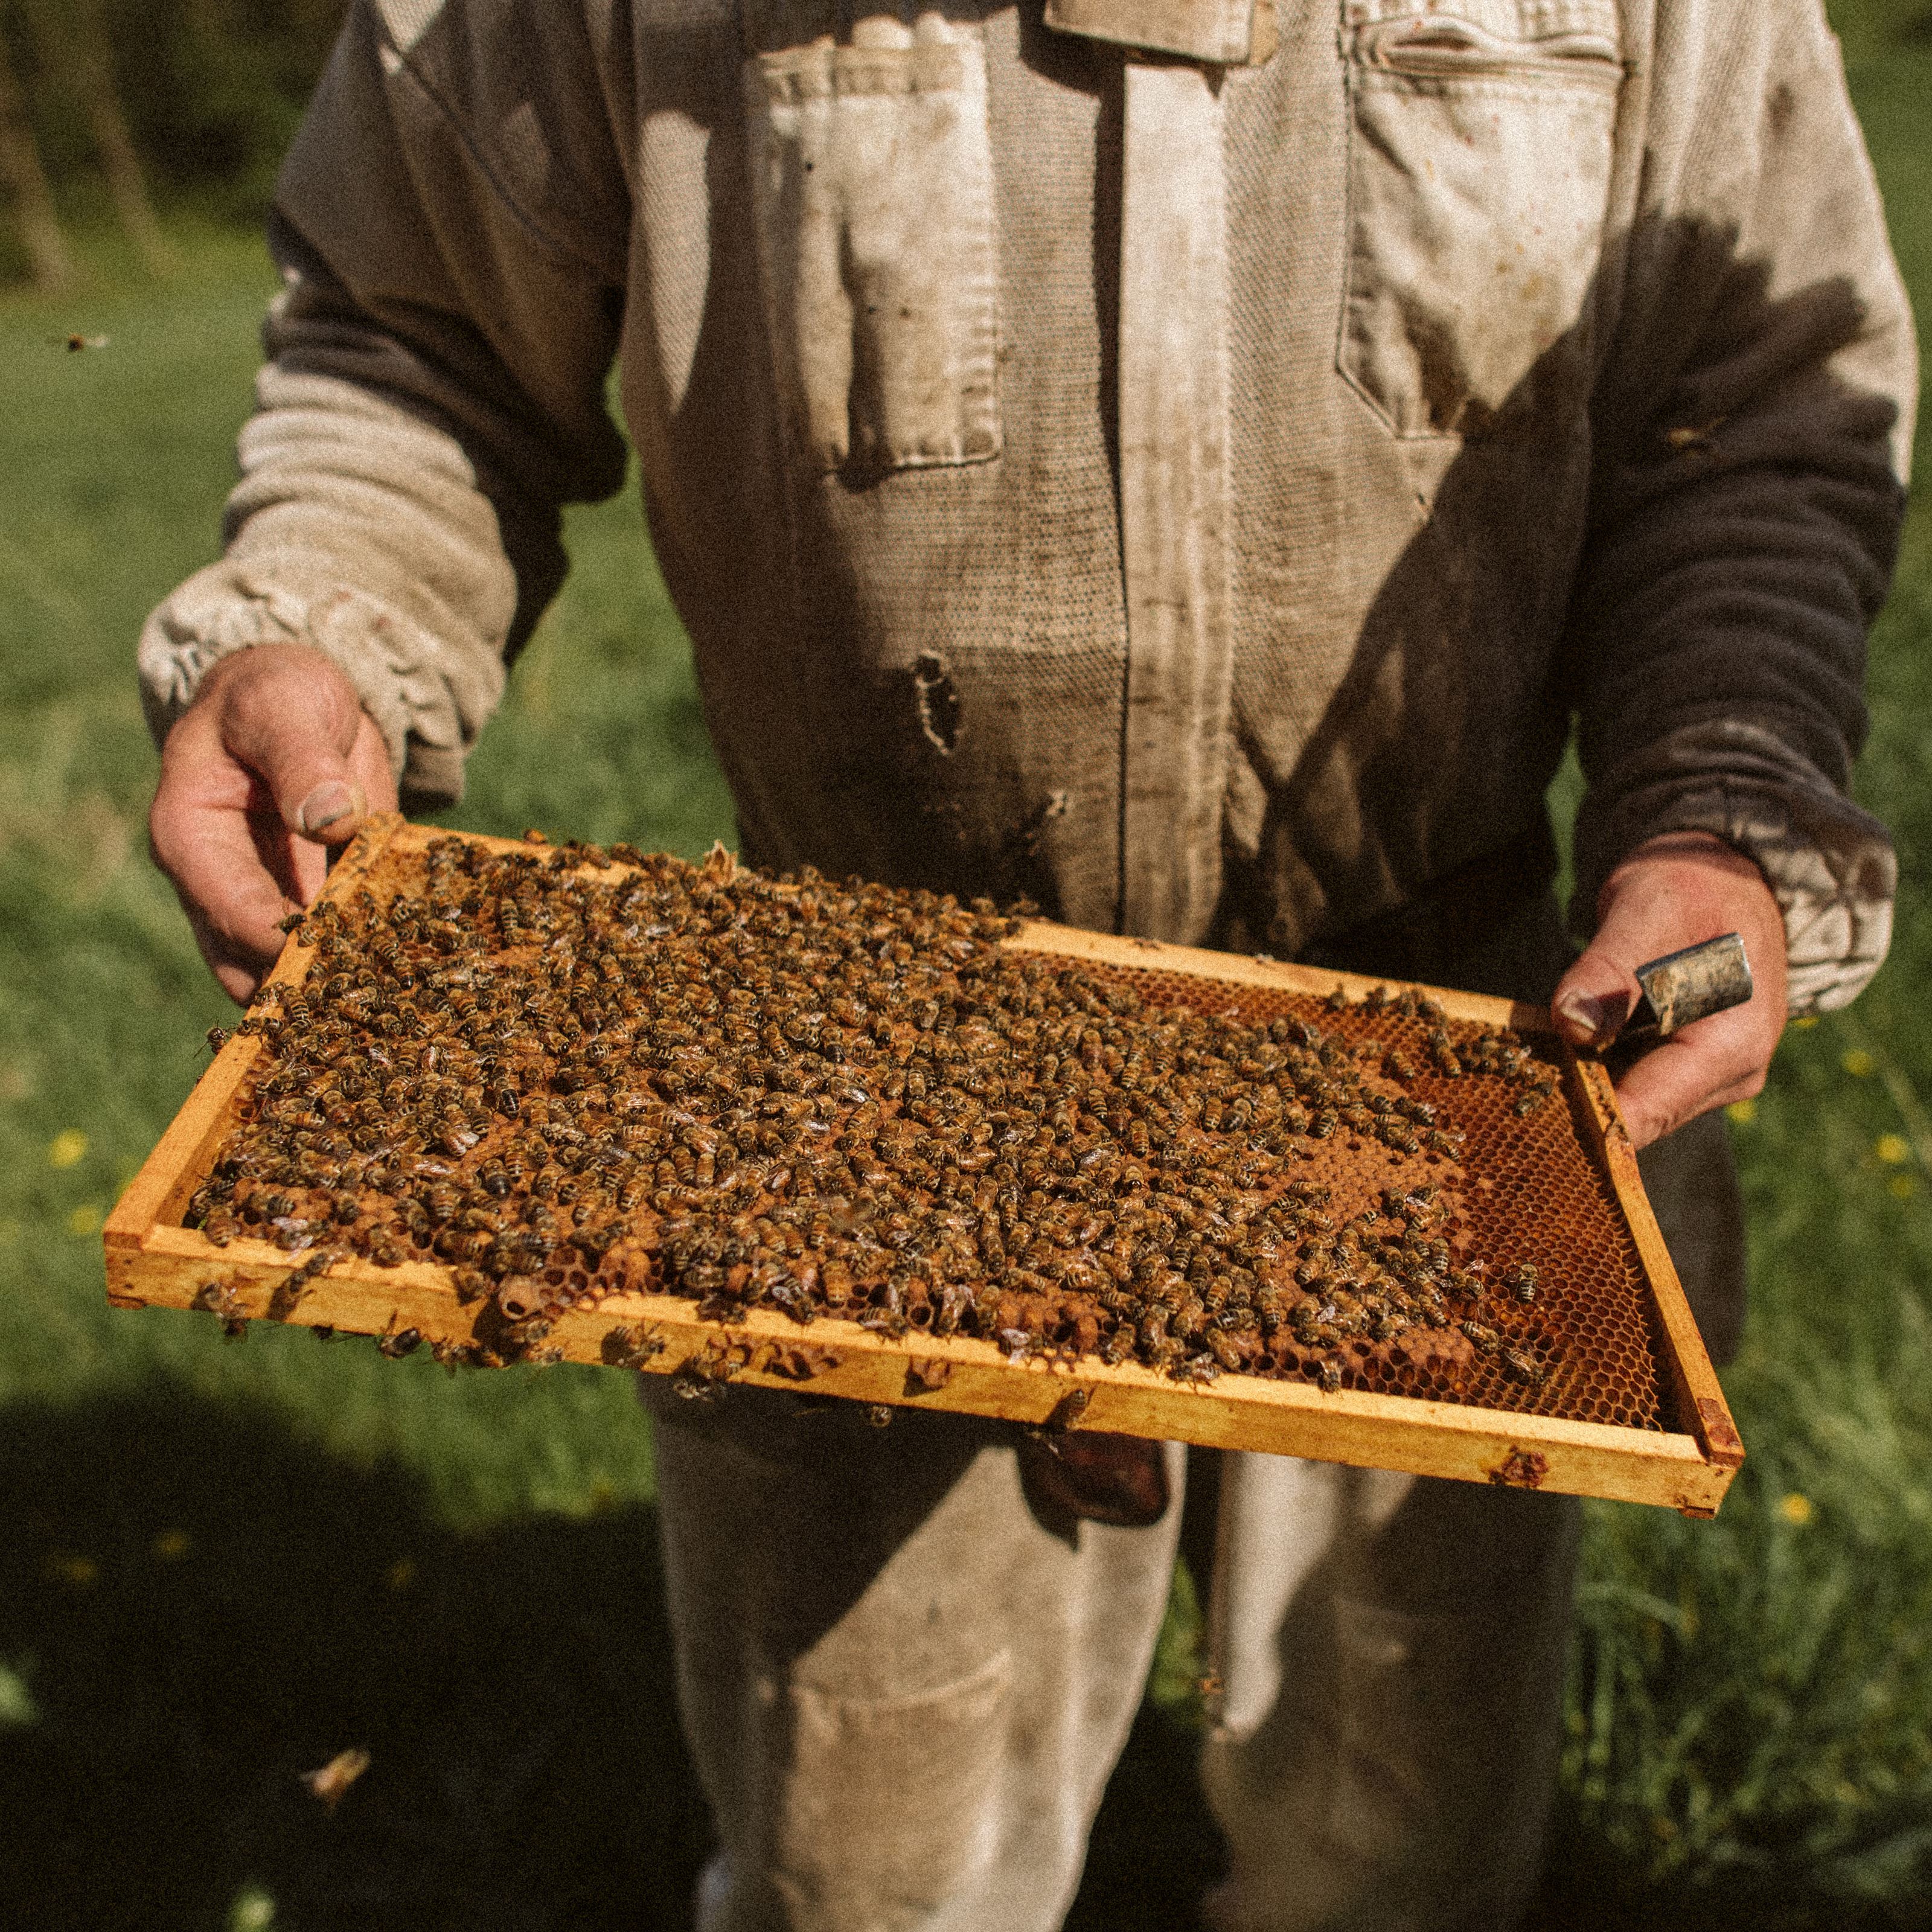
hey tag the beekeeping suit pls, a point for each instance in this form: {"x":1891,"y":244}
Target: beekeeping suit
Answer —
{"x":1186,"y":463}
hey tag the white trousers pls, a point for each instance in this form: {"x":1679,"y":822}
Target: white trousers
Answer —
{"x":905,"y":1694}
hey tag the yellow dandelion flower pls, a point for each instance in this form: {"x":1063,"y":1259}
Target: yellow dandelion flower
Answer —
{"x":1859,"y":1064}
{"x":1795,"y":1509}
{"x":1901,"y":1185}
{"x":68,"y":1148}
{"x":252,"y":1910}
{"x":401,"y":1574}
{"x":84,"y":1218}
{"x":171,"y":1545}
{"x":1893,"y":1149}
{"x":1742,"y":1111}
{"x":71,"y":1568}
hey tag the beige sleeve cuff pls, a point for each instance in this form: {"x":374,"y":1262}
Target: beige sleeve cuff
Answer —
{"x":1833,"y":881}
{"x":1830,"y":866}
{"x":392,"y":662}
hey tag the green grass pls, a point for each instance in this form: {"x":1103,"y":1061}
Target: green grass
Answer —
{"x":221,"y":1565}
{"x":117,"y":461}
{"x":154,"y":1707}
{"x":1751,"y":1719}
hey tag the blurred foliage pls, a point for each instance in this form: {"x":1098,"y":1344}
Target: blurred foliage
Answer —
{"x":1870,"y":29}
{"x":212,"y":90}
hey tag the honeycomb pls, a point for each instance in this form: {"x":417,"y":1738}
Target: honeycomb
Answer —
{"x":562,"y":1072}
{"x":1526,"y":1187}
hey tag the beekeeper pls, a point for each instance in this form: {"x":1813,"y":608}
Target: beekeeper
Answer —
{"x":1186,"y":461}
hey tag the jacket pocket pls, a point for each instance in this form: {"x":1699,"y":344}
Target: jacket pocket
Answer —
{"x":873,"y":184}
{"x":1479,"y":166}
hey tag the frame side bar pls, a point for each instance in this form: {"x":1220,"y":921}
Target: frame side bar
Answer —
{"x":1702,"y":1407}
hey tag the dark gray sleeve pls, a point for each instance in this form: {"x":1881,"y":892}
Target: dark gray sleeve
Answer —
{"x":1753,"y":429}
{"x":452,"y":227}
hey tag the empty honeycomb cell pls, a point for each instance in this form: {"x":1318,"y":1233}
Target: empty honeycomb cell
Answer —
{"x":827,"y":1097}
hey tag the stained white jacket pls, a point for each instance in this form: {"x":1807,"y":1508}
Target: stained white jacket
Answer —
{"x":1196,"y":496}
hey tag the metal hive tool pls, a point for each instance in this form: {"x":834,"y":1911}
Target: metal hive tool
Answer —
{"x":1484,"y":1296}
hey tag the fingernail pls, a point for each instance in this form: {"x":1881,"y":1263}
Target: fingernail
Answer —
{"x":1595,"y":1015}
{"x":328,"y":804}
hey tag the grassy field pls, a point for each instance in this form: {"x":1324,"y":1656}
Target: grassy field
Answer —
{"x":222,"y":1565}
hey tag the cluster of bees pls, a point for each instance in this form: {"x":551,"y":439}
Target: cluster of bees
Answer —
{"x":561,"y":1072}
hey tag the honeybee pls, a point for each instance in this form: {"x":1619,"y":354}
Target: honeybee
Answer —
{"x":218,"y":1298}
{"x":1519,"y":1281}
{"x":1519,"y":1366}
{"x":632,"y":1345}
{"x":1066,"y":1412}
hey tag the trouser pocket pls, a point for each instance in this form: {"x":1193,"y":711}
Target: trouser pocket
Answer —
{"x":873,"y":185}
{"x":889,"y":1807}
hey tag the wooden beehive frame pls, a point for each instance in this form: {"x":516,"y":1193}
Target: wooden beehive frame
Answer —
{"x":154,"y":1261}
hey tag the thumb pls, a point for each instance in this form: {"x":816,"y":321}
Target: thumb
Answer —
{"x":1673,"y":891}
{"x":292,"y":717}
{"x":1596,"y":996}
